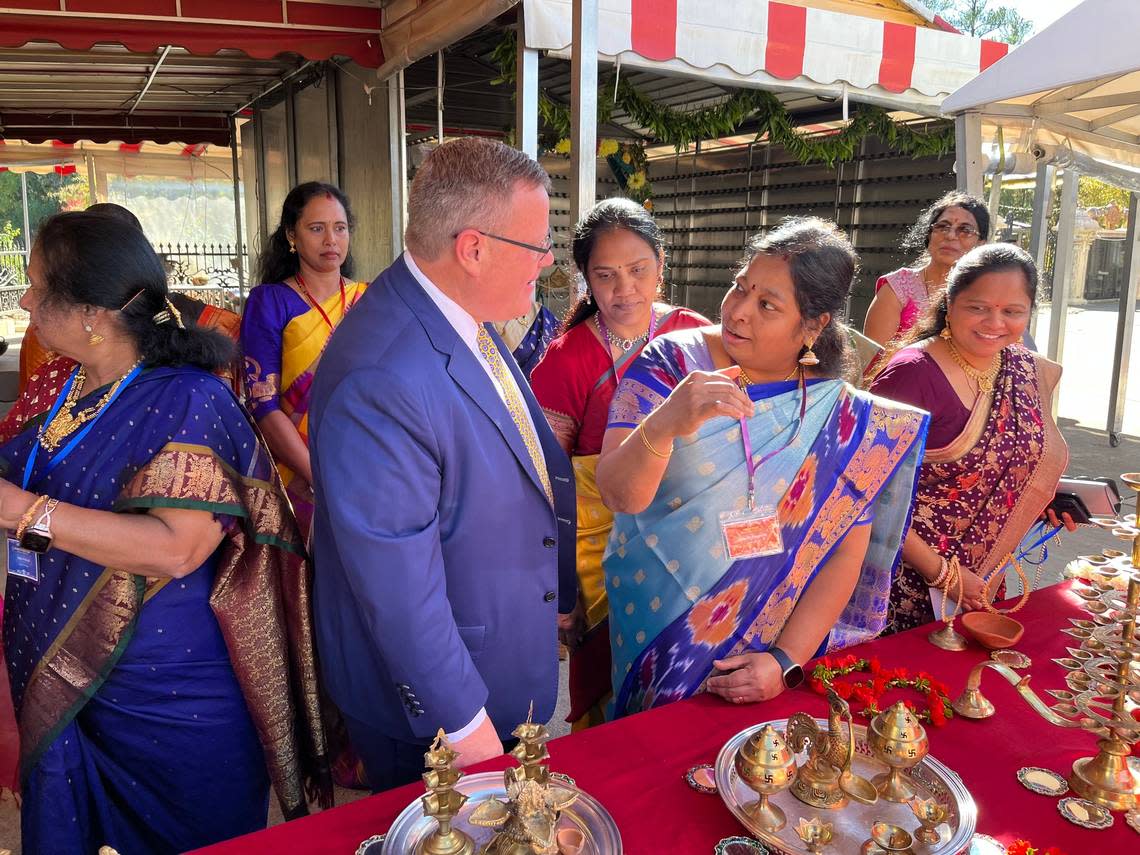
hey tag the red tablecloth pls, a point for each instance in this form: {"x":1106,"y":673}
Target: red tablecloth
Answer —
{"x":635,"y":766}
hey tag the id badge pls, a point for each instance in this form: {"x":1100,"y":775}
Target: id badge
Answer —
{"x":751,"y":534}
{"x":22,"y":562}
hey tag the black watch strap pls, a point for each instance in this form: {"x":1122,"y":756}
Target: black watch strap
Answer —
{"x":792,"y":673}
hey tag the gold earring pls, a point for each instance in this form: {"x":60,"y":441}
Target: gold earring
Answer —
{"x":292,"y":247}
{"x":93,"y":338}
{"x":809,"y":358}
{"x":945,"y":334}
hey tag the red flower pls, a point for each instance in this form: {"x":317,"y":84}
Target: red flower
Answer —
{"x":876,"y":667}
{"x":1053,"y":850}
{"x":817,"y":686}
{"x":1020,"y":847}
{"x":937,"y":716}
{"x":843,"y":690}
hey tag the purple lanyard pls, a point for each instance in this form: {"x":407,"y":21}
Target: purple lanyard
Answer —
{"x":754,"y":466}
{"x":606,"y":335}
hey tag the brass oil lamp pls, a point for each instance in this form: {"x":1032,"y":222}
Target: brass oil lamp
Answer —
{"x":898,"y":739}
{"x":767,"y":766}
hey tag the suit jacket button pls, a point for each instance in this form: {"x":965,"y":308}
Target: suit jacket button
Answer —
{"x":548,"y":542}
{"x":549,"y":596}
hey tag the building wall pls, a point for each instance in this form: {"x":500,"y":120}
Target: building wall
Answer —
{"x":327,"y":131}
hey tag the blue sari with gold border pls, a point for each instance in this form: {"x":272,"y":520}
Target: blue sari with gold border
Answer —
{"x":155,"y":713}
{"x":676,"y":601}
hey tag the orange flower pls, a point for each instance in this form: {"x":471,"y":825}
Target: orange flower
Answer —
{"x":713,"y":620}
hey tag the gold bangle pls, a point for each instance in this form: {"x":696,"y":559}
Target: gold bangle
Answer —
{"x":645,"y":441}
{"x":29,"y":515}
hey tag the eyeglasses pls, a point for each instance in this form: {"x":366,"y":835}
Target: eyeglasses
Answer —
{"x":946,"y":229}
{"x":541,"y":250}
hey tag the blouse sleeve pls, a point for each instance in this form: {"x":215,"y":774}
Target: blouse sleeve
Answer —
{"x":561,"y":389}
{"x":908,"y":380}
{"x":262,"y":325}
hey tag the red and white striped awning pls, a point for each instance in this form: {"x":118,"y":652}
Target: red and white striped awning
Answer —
{"x":776,"y":46}
{"x":315,"y":29}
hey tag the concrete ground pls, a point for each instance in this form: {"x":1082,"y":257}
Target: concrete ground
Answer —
{"x":1082,"y":412}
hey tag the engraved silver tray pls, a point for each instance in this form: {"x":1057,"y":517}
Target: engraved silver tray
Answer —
{"x":586,"y":814}
{"x":852,"y":823}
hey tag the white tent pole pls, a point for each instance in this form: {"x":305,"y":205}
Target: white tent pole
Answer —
{"x":1125,"y":325}
{"x":968,"y":147}
{"x":397,"y":160}
{"x":526,"y":95}
{"x":1039,"y":231}
{"x":583,"y":109}
{"x":439,"y":96}
{"x":1062,"y":267}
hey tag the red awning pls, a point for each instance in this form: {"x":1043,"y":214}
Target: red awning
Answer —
{"x":103,"y":128}
{"x":259,"y":28}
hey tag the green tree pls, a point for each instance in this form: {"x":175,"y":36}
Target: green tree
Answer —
{"x":984,"y":19}
{"x":47,"y":194}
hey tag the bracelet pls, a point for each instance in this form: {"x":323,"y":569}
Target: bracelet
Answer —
{"x":45,"y":515}
{"x":943,"y":573}
{"x":645,"y":441}
{"x":29,"y":515}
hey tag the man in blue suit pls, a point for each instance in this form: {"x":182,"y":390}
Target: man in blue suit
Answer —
{"x":445,"y":522}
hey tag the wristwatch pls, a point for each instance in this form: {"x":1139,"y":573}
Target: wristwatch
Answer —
{"x":793,"y":673}
{"x":37,"y":537}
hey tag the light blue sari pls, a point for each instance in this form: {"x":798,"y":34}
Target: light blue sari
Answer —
{"x":677,"y":601}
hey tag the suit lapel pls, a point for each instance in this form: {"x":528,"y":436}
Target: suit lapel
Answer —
{"x":468,"y":373}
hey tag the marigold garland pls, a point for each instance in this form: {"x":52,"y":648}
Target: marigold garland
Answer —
{"x":1024,"y":847}
{"x":870,"y":692}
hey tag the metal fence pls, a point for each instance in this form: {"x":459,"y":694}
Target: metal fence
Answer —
{"x":206,"y":272}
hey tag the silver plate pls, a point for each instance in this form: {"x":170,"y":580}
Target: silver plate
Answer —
{"x":1084,"y":813}
{"x":852,"y":824}
{"x":586,"y":814}
{"x":1058,"y":786}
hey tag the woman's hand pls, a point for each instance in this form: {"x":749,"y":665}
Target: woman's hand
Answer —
{"x":973,"y":590}
{"x":572,"y":627}
{"x":1066,"y":520}
{"x":14,"y":503}
{"x":699,"y":397}
{"x":751,"y":677}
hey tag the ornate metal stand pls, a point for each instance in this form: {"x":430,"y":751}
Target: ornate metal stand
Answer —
{"x":1104,"y":673}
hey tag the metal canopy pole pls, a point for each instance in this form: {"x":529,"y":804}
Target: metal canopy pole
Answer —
{"x":439,"y":97}
{"x":1039,"y":231}
{"x":239,"y":244}
{"x":526,"y":95}
{"x":968,"y":145}
{"x":1062,"y":268}
{"x":397,"y":160}
{"x":1125,"y":325}
{"x":583,"y":109}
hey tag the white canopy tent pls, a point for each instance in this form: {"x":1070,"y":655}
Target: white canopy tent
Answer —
{"x":1068,"y":98}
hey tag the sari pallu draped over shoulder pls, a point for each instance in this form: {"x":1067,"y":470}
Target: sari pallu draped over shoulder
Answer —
{"x":979,"y":495}
{"x":678,"y":603}
{"x":176,"y":438}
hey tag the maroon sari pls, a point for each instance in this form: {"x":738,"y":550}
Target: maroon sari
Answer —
{"x":982,"y":491}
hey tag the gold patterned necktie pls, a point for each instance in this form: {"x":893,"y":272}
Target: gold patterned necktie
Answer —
{"x":515,"y":406}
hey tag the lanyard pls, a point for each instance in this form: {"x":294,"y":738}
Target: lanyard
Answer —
{"x":53,"y":462}
{"x":606,"y":335}
{"x":754,"y":466}
{"x":343,"y":308}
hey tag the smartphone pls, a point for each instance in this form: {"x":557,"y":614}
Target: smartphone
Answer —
{"x":1071,"y":504}
{"x":1100,"y":496}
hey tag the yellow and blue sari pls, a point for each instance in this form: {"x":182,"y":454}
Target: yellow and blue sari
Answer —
{"x":154,"y":714}
{"x":676,"y":601}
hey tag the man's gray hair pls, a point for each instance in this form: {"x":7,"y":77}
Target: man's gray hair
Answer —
{"x":466,"y":183}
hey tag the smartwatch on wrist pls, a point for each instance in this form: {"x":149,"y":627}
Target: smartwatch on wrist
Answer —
{"x":38,"y":537}
{"x":793,"y":674}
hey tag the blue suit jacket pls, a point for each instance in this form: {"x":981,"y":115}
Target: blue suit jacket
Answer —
{"x":440,"y":564}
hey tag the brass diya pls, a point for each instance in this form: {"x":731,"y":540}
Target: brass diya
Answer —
{"x":886,"y":838}
{"x":898,"y":739}
{"x":826,"y":779}
{"x":766,"y":765}
{"x":929,"y":815}
{"x":815,"y":834}
{"x":443,"y":801}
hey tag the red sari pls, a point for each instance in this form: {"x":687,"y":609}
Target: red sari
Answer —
{"x":575,"y":383}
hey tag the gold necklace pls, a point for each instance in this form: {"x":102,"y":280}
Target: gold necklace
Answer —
{"x":66,"y":422}
{"x":744,"y":381}
{"x":984,"y":379}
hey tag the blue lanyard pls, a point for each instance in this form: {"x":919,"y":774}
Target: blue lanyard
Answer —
{"x":53,"y":462}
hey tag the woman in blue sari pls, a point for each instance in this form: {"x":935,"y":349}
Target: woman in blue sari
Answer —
{"x":156,"y":620}
{"x":713,"y":585}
